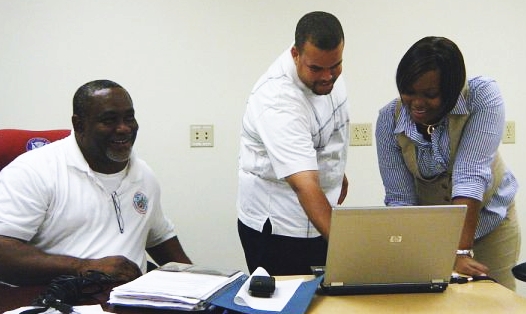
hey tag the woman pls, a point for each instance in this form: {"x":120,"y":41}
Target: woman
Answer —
{"x":438,"y":144}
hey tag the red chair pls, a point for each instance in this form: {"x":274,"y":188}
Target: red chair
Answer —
{"x":14,"y":142}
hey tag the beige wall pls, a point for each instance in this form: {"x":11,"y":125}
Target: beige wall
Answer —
{"x":194,"y":62}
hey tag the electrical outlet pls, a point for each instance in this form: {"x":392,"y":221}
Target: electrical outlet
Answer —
{"x":201,"y":135}
{"x":509,"y":133}
{"x":361,"y":134}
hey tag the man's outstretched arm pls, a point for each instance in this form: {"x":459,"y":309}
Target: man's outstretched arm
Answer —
{"x":24,"y":264}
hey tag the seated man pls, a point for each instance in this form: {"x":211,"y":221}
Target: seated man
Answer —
{"x":85,"y":202}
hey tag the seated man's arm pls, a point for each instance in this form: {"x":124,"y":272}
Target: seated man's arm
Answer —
{"x":24,"y":264}
{"x":169,"y":251}
{"x":311,"y":197}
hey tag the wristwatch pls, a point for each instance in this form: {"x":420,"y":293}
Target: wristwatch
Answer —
{"x":466,"y":253}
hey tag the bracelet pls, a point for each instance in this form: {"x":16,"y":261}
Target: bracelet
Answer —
{"x":466,"y":253}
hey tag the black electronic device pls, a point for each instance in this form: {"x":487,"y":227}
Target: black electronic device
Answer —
{"x":262,"y":286}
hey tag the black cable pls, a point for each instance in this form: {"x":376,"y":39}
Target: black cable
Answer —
{"x":462,"y":279}
{"x":66,"y":290}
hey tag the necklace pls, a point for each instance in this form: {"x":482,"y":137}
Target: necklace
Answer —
{"x":430,"y":127}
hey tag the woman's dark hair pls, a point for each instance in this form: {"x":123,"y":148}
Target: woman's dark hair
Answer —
{"x":434,"y":53}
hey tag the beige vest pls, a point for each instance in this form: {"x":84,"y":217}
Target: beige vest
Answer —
{"x":437,"y":191}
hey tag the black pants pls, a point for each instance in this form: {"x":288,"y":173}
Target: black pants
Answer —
{"x":281,"y":255}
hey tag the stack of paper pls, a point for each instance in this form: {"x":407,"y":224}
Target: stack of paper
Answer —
{"x":174,"y":286}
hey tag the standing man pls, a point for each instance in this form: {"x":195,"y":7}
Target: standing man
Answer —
{"x":293,"y":152}
{"x":85,"y":202}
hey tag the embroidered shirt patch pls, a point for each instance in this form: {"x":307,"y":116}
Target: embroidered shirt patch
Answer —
{"x":140,"y":203}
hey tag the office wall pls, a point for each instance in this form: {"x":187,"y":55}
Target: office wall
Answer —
{"x":194,"y":62}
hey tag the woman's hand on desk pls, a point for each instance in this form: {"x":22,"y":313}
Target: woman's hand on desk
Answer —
{"x":468,"y":266}
{"x":118,"y":267}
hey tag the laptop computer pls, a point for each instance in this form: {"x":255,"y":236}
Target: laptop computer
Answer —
{"x":407,"y":249}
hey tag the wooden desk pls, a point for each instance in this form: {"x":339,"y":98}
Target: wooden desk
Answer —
{"x":477,"y":297}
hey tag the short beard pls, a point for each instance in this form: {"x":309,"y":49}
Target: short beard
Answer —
{"x":118,"y":157}
{"x":314,"y":89}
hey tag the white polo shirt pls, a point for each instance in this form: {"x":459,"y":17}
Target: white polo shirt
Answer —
{"x":52,"y":199}
{"x":288,"y":129}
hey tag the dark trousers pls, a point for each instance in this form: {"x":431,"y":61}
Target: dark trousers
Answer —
{"x":281,"y":255}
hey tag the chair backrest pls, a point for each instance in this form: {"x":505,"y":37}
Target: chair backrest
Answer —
{"x":14,"y":142}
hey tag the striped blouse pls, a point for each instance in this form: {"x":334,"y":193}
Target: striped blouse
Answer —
{"x":472,"y":169}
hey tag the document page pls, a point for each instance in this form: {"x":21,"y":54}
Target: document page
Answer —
{"x":178,"y":285}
